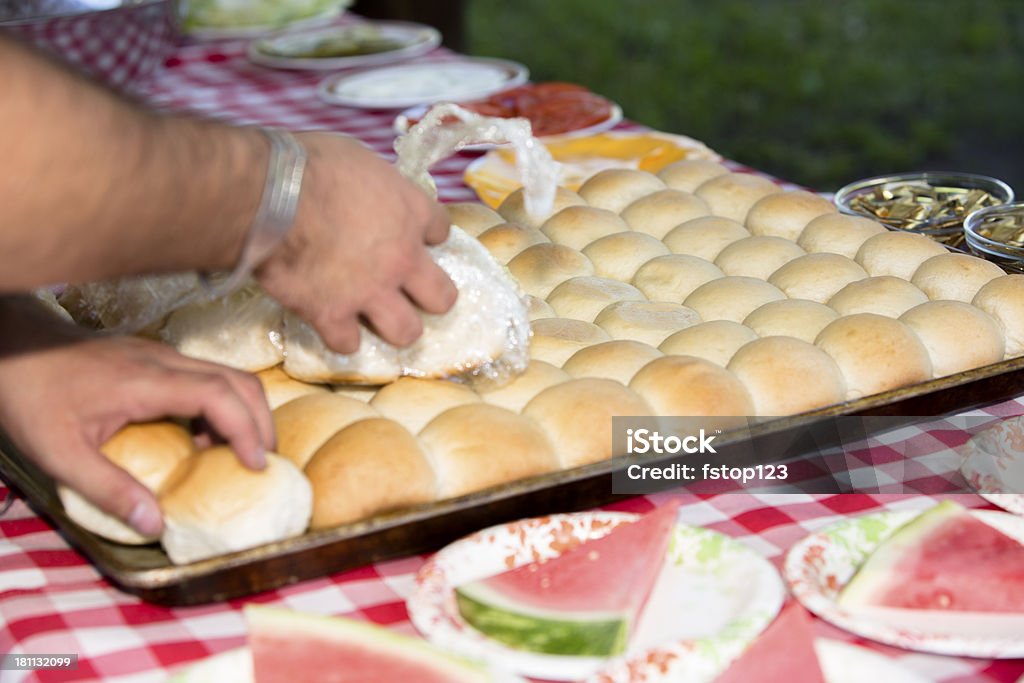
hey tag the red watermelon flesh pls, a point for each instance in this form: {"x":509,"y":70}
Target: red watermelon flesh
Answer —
{"x":292,"y":647}
{"x":944,"y":559}
{"x":784,"y":652}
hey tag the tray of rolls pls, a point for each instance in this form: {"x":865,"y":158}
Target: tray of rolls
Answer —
{"x":693,"y":291}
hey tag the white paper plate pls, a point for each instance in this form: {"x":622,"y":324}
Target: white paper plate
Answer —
{"x":846,"y":663}
{"x":407,"y":85}
{"x":713,"y":597}
{"x":212,"y":33}
{"x":415,"y":40}
{"x":819,"y":565}
{"x":994,"y":464}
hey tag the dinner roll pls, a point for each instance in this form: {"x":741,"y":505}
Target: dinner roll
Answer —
{"x":577,"y":417}
{"x":886,"y":295}
{"x":1003,"y":299}
{"x":305,"y":423}
{"x":506,"y":240}
{"x":875,"y":353}
{"x":241,"y":330}
{"x":836,"y":233}
{"x":785,"y":376}
{"x":618,"y":360}
{"x":473,"y":217}
{"x":307,"y":357}
{"x":958,"y":336}
{"x":582,"y":298}
{"x":897,"y":253}
{"x":645,"y":321}
{"x":657,"y":213}
{"x":673,"y":277}
{"x":731,"y":298}
{"x":477,"y":446}
{"x":356,"y":391}
{"x":685,"y":386}
{"x":154,"y":453}
{"x":517,"y":393}
{"x":556,"y":339}
{"x":616,"y":188}
{"x":785,"y":214}
{"x":798,"y":318}
{"x":353,"y":474}
{"x":542,"y":267}
{"x":413,"y":402}
{"x":757,"y":256}
{"x":513,"y":208}
{"x":705,"y":237}
{"x":538,"y":308}
{"x":687,"y":175}
{"x":731,"y":195}
{"x":817,"y":277}
{"x":279,"y":388}
{"x":715,"y":341}
{"x":221,"y":506}
{"x":619,"y":256}
{"x":955,"y":276}
{"x":578,"y":226}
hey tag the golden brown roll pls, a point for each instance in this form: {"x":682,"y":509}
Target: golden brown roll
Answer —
{"x":875,"y":353}
{"x":817,"y":277}
{"x":731,"y":298}
{"x":673,"y":277}
{"x":958,"y":336}
{"x":645,"y":321}
{"x":785,"y":214}
{"x":955,"y":276}
{"x":685,"y":386}
{"x":506,"y":240}
{"x":542,"y":267}
{"x":657,"y":213}
{"x":304,"y":424}
{"x":689,"y":174}
{"x":619,"y":256}
{"x":473,"y":217}
{"x":618,"y":360}
{"x":582,"y":298}
{"x":886,"y":295}
{"x":538,"y":308}
{"x":478,"y":446}
{"x":518,"y":392}
{"x":556,"y":339}
{"x":786,"y":376}
{"x":577,"y":417}
{"x":616,"y":188}
{"x":798,"y":318}
{"x":413,"y":402}
{"x":714,"y":341}
{"x":279,"y":388}
{"x":731,"y":195}
{"x":353,"y":475}
{"x":835,"y":233}
{"x":513,"y":208}
{"x":356,"y":391}
{"x":897,"y":253}
{"x":578,"y":226}
{"x":154,"y":453}
{"x":220,"y":506}
{"x":705,"y":237}
{"x":757,"y":256}
{"x":1003,"y":299}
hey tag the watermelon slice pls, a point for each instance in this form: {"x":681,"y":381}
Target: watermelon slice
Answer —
{"x":291,"y":646}
{"x":584,"y":602}
{"x":943,"y":559}
{"x":784,"y":652}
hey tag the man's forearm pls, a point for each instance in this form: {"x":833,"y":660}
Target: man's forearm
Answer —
{"x":95,"y":187}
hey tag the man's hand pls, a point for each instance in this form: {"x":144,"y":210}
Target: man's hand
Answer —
{"x":63,"y":394}
{"x":358,"y":248}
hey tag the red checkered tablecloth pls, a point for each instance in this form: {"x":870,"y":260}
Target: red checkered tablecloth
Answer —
{"x":53,"y":601}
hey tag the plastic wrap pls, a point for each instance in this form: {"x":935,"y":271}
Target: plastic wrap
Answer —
{"x":132,"y":305}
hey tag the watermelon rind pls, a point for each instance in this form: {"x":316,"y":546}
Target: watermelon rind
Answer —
{"x":876,"y":572}
{"x":589,"y":636}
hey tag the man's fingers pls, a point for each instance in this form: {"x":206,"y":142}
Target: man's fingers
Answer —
{"x":438,"y":226}
{"x":112,"y":490}
{"x":341,"y":336}
{"x":394,"y":318}
{"x":429,"y":286}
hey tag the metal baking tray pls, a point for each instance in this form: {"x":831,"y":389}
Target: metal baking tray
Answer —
{"x":146,"y":571}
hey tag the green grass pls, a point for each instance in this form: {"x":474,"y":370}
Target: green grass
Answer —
{"x":819,"y":93}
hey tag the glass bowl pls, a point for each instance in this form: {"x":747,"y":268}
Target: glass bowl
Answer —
{"x":946,"y":227}
{"x":990,"y":233}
